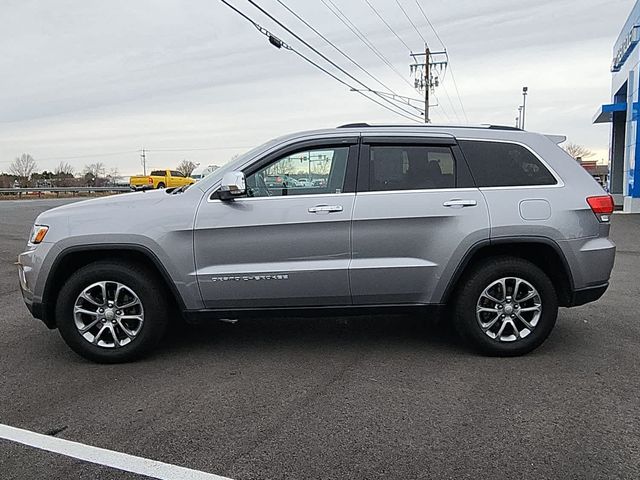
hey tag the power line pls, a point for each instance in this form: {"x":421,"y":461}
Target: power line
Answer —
{"x":333,"y":45}
{"x":453,"y":78}
{"x":453,"y":109}
{"x":410,"y":50}
{"x":455,"y":85}
{"x":444,"y":112}
{"x":430,"y":24}
{"x":356,"y":31}
{"x":411,"y":21}
{"x":339,"y":50}
{"x":275,"y":41}
{"x":327,"y":59}
{"x":387,"y":24}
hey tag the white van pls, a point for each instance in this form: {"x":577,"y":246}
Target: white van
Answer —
{"x":201,"y":172}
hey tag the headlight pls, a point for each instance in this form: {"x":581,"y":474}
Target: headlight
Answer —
{"x":38,"y":233}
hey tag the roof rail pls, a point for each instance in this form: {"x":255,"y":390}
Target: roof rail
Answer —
{"x":491,"y":127}
{"x":354,"y":125}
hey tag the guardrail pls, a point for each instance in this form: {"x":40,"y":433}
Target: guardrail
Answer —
{"x":59,"y":190}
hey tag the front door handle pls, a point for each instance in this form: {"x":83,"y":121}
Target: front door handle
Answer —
{"x":325,"y":209}
{"x":460,"y":203}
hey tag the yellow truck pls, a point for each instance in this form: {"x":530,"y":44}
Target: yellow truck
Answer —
{"x":160,"y":179}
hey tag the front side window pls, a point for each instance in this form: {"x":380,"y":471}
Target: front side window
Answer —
{"x":411,"y":167}
{"x":305,"y":172}
{"x":501,"y":164}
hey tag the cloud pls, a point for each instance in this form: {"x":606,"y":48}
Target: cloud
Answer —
{"x":90,"y":78}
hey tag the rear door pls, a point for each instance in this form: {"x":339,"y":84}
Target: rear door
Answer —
{"x":416,"y":214}
{"x":287,"y":243}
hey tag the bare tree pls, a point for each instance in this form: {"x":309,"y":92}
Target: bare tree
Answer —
{"x":64,"y":169}
{"x":186,"y":167}
{"x":114,"y":175}
{"x":23,"y":166}
{"x":578,"y":151}
{"x":96,"y":170}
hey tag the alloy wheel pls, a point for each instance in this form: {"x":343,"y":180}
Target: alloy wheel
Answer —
{"x":509,"y":309}
{"x":108,"y":314}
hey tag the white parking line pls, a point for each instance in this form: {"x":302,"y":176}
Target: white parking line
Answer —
{"x":101,"y":456}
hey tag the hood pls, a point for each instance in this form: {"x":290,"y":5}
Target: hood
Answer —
{"x":130,"y":213}
{"x":123,"y":200}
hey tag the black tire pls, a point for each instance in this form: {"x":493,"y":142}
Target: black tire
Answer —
{"x":472,"y":287}
{"x":142,"y":282}
{"x":160,"y":185}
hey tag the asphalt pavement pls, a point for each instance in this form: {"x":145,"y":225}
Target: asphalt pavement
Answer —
{"x":390,"y":397}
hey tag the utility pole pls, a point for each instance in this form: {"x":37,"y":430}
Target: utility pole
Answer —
{"x":143,"y":157}
{"x":524,"y":104}
{"x":424,"y":72}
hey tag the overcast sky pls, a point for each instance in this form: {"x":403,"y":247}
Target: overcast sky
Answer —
{"x":89,"y":80}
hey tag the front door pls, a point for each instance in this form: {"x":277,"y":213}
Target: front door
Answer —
{"x":417,"y":212}
{"x":287,"y":243}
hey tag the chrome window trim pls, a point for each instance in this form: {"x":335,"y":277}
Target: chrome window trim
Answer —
{"x":559,"y":184}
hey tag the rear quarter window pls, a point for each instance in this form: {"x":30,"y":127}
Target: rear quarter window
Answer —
{"x":502,"y":164}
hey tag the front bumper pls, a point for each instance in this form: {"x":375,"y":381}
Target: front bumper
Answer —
{"x":29,"y":264}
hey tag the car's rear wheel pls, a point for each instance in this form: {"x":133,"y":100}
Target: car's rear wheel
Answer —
{"x":161,"y":185}
{"x":111,"y":312}
{"x":507,"y":306}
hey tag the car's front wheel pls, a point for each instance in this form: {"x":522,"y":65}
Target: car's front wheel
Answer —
{"x":507,"y":306}
{"x":111,"y":312}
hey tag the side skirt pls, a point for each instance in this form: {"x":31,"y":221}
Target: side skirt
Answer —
{"x":198,"y":316}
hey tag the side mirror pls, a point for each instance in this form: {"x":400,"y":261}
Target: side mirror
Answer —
{"x":233,"y":185}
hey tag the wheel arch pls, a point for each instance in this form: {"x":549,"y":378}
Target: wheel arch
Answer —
{"x":541,"y":251}
{"x":73,"y":258}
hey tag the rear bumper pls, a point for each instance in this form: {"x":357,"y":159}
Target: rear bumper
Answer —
{"x":587,"y":295}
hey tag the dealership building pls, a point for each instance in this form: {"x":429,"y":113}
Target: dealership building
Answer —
{"x":622,"y":113}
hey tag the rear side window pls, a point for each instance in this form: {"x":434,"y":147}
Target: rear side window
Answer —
{"x":499,"y":164}
{"x":411,"y":167}
{"x":175,"y":173}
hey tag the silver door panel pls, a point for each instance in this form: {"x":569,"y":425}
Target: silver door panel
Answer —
{"x":404,"y":241}
{"x":272,"y":251}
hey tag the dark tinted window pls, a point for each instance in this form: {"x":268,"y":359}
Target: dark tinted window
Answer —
{"x":158,"y":173}
{"x":411,"y":167}
{"x":175,"y":173}
{"x":497,"y":164}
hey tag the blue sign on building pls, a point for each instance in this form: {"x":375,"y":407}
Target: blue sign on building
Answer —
{"x":622,"y":113}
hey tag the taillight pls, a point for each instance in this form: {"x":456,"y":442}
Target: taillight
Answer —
{"x":150,"y":181}
{"x":602,"y":206}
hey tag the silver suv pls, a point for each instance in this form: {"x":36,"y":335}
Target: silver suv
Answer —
{"x":499,"y":224}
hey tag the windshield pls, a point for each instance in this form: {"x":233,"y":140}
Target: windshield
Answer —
{"x":208,"y":179}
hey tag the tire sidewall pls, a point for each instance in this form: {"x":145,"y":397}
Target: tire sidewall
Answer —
{"x":153,"y":303}
{"x":465,"y":312}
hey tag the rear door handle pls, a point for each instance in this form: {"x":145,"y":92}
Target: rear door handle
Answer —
{"x":460,"y":203}
{"x":325,"y":209}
